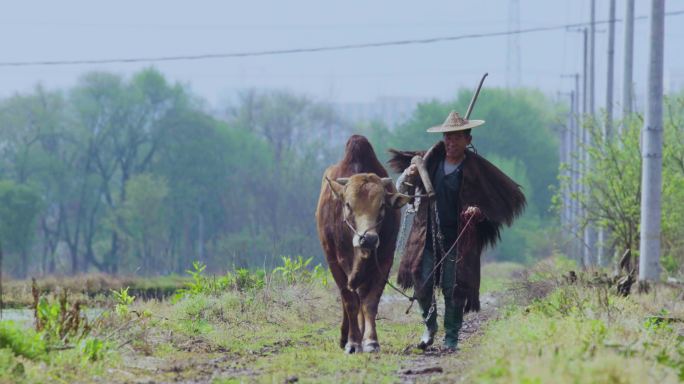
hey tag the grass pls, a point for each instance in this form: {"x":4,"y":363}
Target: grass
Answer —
{"x":288,"y":328}
{"x":499,"y":276}
{"x":583,"y":333}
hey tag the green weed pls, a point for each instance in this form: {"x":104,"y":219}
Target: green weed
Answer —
{"x":57,"y":323}
{"x":123,"y":300}
{"x":242,"y":280}
{"x":93,"y":349}
{"x":11,"y":369}
{"x":21,"y":341}
{"x":294,"y":270}
{"x":245,"y":280}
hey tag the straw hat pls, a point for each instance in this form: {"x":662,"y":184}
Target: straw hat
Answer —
{"x":455,"y":123}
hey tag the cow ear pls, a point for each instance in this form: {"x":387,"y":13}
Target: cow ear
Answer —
{"x":336,"y":188}
{"x":397,"y":200}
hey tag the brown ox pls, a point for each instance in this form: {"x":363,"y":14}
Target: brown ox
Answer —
{"x":358,"y":222}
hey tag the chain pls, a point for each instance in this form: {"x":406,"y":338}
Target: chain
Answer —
{"x":436,"y":239}
{"x":438,"y":251}
{"x":402,"y":233}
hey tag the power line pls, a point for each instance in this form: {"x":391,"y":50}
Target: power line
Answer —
{"x":308,"y":50}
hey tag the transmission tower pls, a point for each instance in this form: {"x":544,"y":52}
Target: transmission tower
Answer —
{"x":513,"y":51}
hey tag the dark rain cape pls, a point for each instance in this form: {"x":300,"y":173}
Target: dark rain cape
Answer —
{"x":500,"y":200}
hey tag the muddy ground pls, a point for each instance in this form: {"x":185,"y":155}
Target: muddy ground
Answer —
{"x":435,"y":361}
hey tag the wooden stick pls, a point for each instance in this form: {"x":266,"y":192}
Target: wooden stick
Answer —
{"x":424,"y":175}
{"x":474,"y":99}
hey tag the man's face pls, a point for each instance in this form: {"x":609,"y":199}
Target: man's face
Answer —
{"x":456,"y":143}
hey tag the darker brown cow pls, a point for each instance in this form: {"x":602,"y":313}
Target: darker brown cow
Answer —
{"x":358,"y":222}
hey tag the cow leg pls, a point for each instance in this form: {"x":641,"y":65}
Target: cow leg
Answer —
{"x":344,"y":329}
{"x":351,"y":307}
{"x":369,"y":307}
{"x":370,"y":300}
{"x":361,"y":319}
{"x":350,"y":337}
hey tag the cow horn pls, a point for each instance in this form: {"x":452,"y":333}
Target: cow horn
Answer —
{"x":342,"y":180}
{"x":386,"y":181}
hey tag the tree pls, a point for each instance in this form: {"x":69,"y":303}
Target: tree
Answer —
{"x":614,"y":185}
{"x":19,"y":207}
{"x":211,"y":171}
{"x":122,"y":123}
{"x":142,"y":224}
{"x":303,"y":137}
{"x":35,"y":140}
{"x":672,"y":225}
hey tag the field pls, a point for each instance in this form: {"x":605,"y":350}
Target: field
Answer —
{"x":252,"y":326}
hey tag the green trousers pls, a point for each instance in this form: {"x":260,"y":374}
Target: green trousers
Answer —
{"x":453,"y":312}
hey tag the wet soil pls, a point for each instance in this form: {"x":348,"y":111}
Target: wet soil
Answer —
{"x":427,"y":366}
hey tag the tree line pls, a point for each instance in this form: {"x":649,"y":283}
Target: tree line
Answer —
{"x":134,"y":174}
{"x":613,"y":180}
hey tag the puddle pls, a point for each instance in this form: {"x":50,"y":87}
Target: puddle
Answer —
{"x":25,"y":316}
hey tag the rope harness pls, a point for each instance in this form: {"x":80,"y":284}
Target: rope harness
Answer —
{"x":362,"y":235}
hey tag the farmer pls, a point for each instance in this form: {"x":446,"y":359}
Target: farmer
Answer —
{"x":472,"y":200}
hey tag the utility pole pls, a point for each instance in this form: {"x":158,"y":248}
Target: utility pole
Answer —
{"x":608,"y":132}
{"x":585,"y":71}
{"x":582,"y":158}
{"x":575,"y":169}
{"x":592,"y":60}
{"x":565,"y":154}
{"x":563,"y":160}
{"x":590,"y":231}
{"x":572,"y":159}
{"x":627,"y":83}
{"x":569,"y":173}
{"x":586,"y":260}
{"x":652,"y":160}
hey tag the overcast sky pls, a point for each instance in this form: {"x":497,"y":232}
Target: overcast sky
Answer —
{"x":72,"y":30}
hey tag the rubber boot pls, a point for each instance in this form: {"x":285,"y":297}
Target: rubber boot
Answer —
{"x":453,"y":320}
{"x":430,"y":323}
{"x":425,"y":300}
{"x":453,"y":312}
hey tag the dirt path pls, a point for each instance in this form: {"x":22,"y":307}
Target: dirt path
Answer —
{"x":198,"y":365}
{"x":428,"y":366}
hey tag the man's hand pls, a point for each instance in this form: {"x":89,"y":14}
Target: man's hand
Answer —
{"x":411,"y":172}
{"x":472,"y":211}
{"x":475,"y":213}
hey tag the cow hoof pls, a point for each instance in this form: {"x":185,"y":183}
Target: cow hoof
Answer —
{"x":352,"y":348}
{"x":371,"y":346}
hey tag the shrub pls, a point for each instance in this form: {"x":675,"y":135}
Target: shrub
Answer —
{"x":93,"y":349}
{"x":123,"y":300}
{"x":55,"y":321}
{"x":242,"y":280}
{"x":22,"y":342}
{"x":294,"y":270}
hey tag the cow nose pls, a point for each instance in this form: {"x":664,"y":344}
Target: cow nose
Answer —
{"x":369,"y":240}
